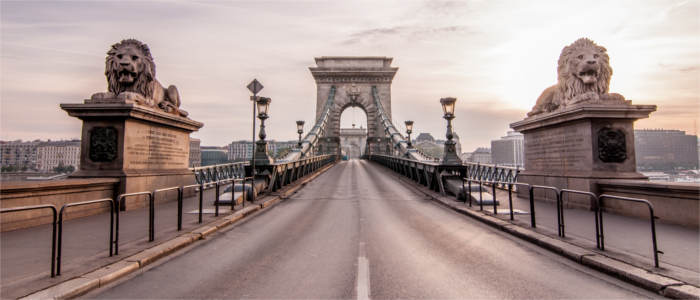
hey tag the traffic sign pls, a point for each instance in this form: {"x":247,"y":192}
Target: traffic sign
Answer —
{"x":255,"y":86}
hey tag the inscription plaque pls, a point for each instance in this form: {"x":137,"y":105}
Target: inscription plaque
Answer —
{"x":556,"y":149}
{"x":153,"y":147}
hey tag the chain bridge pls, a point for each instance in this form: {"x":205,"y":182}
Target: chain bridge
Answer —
{"x":396,"y":223}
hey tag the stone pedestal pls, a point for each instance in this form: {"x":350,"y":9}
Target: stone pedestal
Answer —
{"x":145,"y":148}
{"x":575,"y":148}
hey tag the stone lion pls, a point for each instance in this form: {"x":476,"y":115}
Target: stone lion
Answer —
{"x":131,"y":75}
{"x":583,"y":77}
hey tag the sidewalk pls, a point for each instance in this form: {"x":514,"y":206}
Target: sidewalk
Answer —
{"x":26,"y":253}
{"x":626,"y":238}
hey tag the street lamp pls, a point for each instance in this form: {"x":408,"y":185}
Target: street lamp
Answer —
{"x":450,"y":157}
{"x":300,"y":130}
{"x":409,"y":129}
{"x":261,"y":154}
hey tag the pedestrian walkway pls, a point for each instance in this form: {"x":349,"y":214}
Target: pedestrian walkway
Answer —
{"x":626,"y":238}
{"x":26,"y":253}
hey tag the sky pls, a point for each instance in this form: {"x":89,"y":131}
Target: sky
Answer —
{"x":495,"y":57}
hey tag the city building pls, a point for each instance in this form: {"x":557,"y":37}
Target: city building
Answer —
{"x":508,"y":151}
{"x":18,"y":155}
{"x":659,"y":150}
{"x":481,"y":155}
{"x":240,"y":150}
{"x":61,"y":156}
{"x":353,"y":141}
{"x":243,"y":150}
{"x":195,"y":153}
{"x":423,"y":137}
{"x":212,"y":155}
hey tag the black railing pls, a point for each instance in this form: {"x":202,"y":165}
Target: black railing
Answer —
{"x":53,"y":231}
{"x":207,"y":174}
{"x":60,"y":226}
{"x":426,"y":172}
{"x":651,"y":220}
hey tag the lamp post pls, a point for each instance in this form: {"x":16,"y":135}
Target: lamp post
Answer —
{"x":300,"y":130}
{"x":409,"y":130}
{"x":261,"y":155}
{"x":450,"y":156}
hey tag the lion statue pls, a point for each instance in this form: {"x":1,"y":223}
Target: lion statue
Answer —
{"x":583,"y":77}
{"x":131,"y":76}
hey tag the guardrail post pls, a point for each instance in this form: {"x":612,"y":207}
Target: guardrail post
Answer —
{"x":493,"y":189}
{"x":481,"y":200}
{"x":470,"y":192}
{"x":201,"y":200}
{"x":151,"y":217}
{"x":180,"y":192}
{"x":216,"y":200}
{"x":233,"y":194}
{"x":510,"y":200}
{"x":533,"y":223}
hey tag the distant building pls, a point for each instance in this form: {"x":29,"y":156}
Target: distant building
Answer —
{"x":481,"y":155}
{"x":424,"y":137}
{"x":658,"y":149}
{"x":214,"y":155}
{"x":195,"y":153}
{"x":51,"y":155}
{"x":508,"y":151}
{"x":353,"y":141}
{"x":243,"y":150}
{"x":240,"y":150}
{"x":19,"y":155}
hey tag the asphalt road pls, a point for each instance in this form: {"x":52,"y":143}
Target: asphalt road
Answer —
{"x":357,"y":232}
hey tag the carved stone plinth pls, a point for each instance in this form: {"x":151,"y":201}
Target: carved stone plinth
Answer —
{"x":576,"y":147}
{"x":145,"y":148}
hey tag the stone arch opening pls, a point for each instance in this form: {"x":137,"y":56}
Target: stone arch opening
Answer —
{"x":353,"y":131}
{"x":353,"y":79}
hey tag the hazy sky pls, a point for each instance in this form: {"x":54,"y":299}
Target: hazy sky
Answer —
{"x":496,"y":57}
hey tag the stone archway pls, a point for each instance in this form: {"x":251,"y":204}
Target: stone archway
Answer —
{"x":353,"y":78}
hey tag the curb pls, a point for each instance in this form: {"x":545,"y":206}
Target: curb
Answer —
{"x":102,"y":276}
{"x":660,"y":284}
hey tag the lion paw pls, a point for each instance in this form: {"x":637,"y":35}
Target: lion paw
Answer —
{"x":102,"y":96}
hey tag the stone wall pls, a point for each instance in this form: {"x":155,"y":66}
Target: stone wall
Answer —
{"x":58,"y":193}
{"x":676,"y":203}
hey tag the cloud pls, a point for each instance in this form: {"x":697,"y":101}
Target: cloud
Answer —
{"x":412,"y":33}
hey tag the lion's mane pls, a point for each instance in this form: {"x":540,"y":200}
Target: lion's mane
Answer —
{"x":146,"y":72}
{"x":569,"y":85}
{"x":570,"y":88}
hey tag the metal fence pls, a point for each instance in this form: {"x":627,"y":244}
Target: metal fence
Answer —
{"x":207,"y":177}
{"x":430,"y":175}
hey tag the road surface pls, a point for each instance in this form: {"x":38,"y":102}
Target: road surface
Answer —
{"x":357,"y":232}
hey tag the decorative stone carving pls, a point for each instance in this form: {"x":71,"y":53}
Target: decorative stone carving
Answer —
{"x":583,"y":76}
{"x":103,"y":144}
{"x":611,"y":145}
{"x":131,"y":77}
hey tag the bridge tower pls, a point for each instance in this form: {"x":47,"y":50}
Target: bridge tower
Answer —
{"x":353,"y":78}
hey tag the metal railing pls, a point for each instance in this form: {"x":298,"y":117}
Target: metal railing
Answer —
{"x":651,"y":220}
{"x":207,"y":174}
{"x":410,"y":169}
{"x":82,"y":203}
{"x":53,"y":231}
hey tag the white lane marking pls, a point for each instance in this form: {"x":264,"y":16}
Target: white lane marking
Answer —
{"x":362,"y":274}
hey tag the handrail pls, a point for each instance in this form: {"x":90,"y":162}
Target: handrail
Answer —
{"x":651,"y":220}
{"x":559,"y":206}
{"x":119,"y":200}
{"x":598,"y":234}
{"x":53,"y":231}
{"x":179,"y":204}
{"x":60,"y":226}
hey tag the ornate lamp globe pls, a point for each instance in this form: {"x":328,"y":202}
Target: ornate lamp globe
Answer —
{"x":300,"y":126}
{"x":263,"y":105}
{"x":448,"y":106}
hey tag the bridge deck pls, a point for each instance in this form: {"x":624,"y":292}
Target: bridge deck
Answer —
{"x":358,"y":232}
